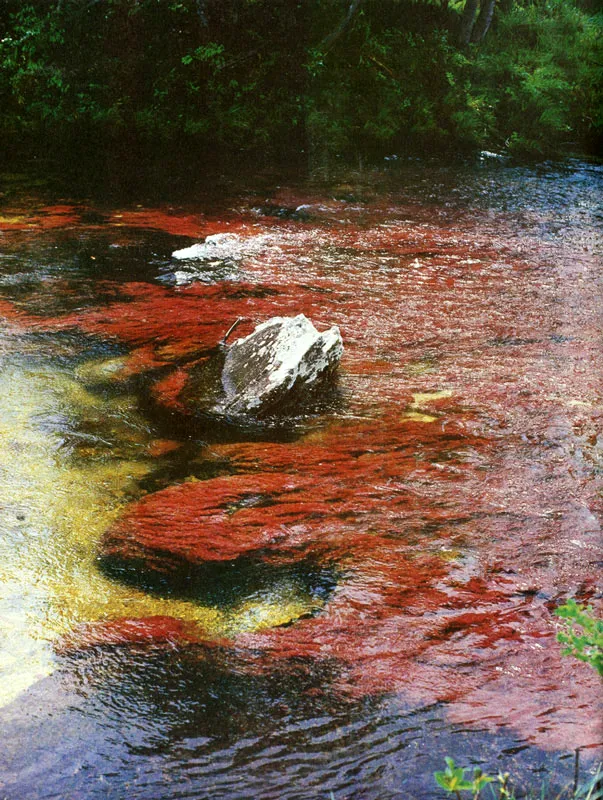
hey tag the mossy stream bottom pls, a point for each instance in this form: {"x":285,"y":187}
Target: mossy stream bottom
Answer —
{"x":61,"y":486}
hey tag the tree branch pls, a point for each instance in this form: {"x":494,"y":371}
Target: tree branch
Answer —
{"x":384,"y":67}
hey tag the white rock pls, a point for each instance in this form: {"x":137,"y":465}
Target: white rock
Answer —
{"x":281,"y":357}
{"x":227,"y":246}
{"x":485,"y":154}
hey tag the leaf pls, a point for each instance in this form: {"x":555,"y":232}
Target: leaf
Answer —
{"x":453,"y":779}
{"x":442,"y":780}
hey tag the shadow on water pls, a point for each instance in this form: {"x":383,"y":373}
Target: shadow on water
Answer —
{"x":75,"y":270}
{"x":225,"y":584}
{"x":148,"y":724}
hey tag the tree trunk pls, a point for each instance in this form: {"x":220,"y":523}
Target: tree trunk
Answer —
{"x":468,"y":21}
{"x":201,"y":12}
{"x":328,"y":42}
{"x":482,"y":26}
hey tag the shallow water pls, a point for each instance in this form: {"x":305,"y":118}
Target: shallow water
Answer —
{"x":335,"y":604}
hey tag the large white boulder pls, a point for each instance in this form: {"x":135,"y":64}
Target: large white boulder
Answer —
{"x":281,"y":358}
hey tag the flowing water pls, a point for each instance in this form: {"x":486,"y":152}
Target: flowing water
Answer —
{"x":334,"y":603}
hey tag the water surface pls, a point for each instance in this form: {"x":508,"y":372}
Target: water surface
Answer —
{"x":383,"y":571}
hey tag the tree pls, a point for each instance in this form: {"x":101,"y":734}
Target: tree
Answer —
{"x":482,"y":26}
{"x":468,"y":21}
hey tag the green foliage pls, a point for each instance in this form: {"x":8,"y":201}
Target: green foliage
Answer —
{"x":592,"y":789}
{"x":153,"y":70}
{"x":453,"y":779}
{"x":541,"y":72}
{"x":264,"y":74}
{"x":585,"y":641}
{"x":454,"y":782}
{"x":398,"y":77}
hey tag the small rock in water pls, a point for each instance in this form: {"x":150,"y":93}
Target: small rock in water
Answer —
{"x":263,"y":374}
{"x":217,"y":245}
{"x":218,"y":258}
{"x":211,"y":261}
{"x":487,"y":154}
{"x":207,"y":272}
{"x":229,"y":247}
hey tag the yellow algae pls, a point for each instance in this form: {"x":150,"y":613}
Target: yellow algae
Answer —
{"x":14,"y":220}
{"x":54,"y":509}
{"x":447,"y":554}
{"x":64,"y":390}
{"x":417,"y":416}
{"x":104,"y":370}
{"x":285,"y":603}
{"x":416,"y":410}
{"x":420,"y":367}
{"x":423,"y":398}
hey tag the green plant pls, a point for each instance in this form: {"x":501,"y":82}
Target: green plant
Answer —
{"x":278,"y":76}
{"x":585,"y":644}
{"x":453,"y":780}
{"x":592,"y":790}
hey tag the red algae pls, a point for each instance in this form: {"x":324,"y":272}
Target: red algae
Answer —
{"x":44,"y":219}
{"x":159,"y":219}
{"x":546,"y":717}
{"x":160,"y":447}
{"x":177,"y":323}
{"x":166,"y":392}
{"x":458,"y":500}
{"x":59,"y":216}
{"x":406,"y":604}
{"x":214,"y":520}
{"x":11,"y":313}
{"x":179,"y":223}
{"x":158,"y":630}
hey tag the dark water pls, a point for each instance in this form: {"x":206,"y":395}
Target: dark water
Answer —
{"x":332,"y":605}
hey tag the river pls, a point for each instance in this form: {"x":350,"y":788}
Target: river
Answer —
{"x":421,"y":523}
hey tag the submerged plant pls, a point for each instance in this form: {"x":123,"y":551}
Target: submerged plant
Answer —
{"x":583,"y":637}
{"x":593,"y":789}
{"x":587,"y":644}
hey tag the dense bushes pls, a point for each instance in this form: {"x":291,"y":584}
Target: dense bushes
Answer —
{"x":541,"y":71}
{"x":533,"y":85}
{"x":153,"y":69}
{"x":285,"y":75}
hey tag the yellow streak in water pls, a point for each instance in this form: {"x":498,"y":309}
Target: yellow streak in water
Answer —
{"x":53,"y":511}
{"x":417,"y":416}
{"x":423,"y":398}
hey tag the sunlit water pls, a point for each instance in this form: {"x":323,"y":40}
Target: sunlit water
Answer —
{"x":445,"y":500}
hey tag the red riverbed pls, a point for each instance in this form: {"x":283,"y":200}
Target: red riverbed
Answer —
{"x":457,"y":490}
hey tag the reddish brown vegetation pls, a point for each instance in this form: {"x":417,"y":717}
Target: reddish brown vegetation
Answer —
{"x":148,"y":630}
{"x":454,"y":529}
{"x":47,"y":218}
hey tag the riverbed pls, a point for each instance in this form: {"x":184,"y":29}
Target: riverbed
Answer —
{"x":422,"y":521}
